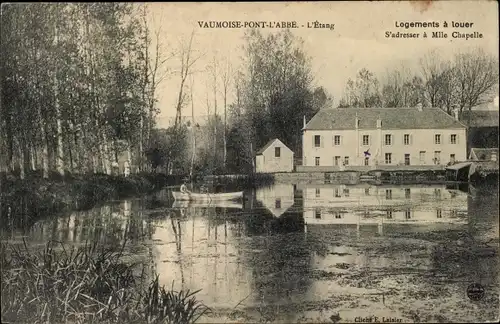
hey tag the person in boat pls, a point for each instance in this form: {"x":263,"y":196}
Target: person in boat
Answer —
{"x":184,"y":187}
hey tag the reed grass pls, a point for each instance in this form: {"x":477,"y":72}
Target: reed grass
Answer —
{"x":86,"y":284}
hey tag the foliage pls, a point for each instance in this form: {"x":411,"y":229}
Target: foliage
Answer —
{"x":274,"y":94}
{"x":87,"y":284}
{"x":76,"y":78}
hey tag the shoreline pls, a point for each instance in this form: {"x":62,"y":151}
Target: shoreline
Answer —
{"x":23,"y":202}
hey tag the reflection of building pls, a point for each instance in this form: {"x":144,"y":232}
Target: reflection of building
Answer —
{"x":364,"y":204}
{"x":340,"y":137}
{"x":277,"y":198}
{"x":274,"y":157}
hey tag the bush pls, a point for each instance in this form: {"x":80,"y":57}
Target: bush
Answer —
{"x":85,"y":285}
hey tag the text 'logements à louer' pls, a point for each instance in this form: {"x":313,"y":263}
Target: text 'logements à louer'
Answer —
{"x":434,"y":29}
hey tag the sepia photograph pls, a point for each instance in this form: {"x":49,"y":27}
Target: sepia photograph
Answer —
{"x":239,"y":162}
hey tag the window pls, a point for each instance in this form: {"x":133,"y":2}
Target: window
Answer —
{"x":346,"y":192}
{"x":388,"y":158}
{"x":388,"y":194}
{"x":317,"y":140}
{"x":406,"y":139}
{"x":367,"y":191}
{"x":366,"y":139}
{"x":318,"y":192}
{"x":388,"y":139}
{"x":277,"y":152}
{"x":437,"y":139}
{"x":407,"y":159}
{"x":337,"y":193}
{"x":408,"y":214}
{"x":337,"y":160}
{"x":453,"y":138}
{"x":277,"y":203}
{"x":338,"y":215}
{"x":317,"y":213}
{"x":407,"y":193}
{"x":439,"y":213}
{"x":316,"y":161}
{"x":421,"y":157}
{"x":437,"y":157}
{"x":367,"y":161}
{"x":437,"y":192}
{"x":346,"y":160}
{"x":389,"y":213}
{"x":452,"y":158}
{"x":336,"y":140}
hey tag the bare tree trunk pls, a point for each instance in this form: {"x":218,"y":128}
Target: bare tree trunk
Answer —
{"x":214,"y":163}
{"x":20,"y":146}
{"x":193,"y":128}
{"x":251,"y":156}
{"x":60,"y":151}
{"x":33,"y":159}
{"x":225,"y":126}
{"x":225,"y":84}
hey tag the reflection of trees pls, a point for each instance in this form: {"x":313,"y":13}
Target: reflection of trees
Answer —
{"x":109,"y":225}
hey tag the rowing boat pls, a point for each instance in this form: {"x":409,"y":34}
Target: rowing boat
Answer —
{"x":207,"y":204}
{"x":192,"y":196}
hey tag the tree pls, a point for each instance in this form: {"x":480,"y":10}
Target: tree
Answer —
{"x":363,"y":91}
{"x":71,"y":85}
{"x":273,"y":91}
{"x":476,"y":74}
{"x":432,"y":67}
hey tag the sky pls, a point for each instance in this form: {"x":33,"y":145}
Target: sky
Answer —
{"x":357,"y":41}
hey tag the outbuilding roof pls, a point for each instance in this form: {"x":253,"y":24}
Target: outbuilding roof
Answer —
{"x":268,"y":144}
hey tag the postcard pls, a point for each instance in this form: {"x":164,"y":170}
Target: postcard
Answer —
{"x":267,"y":162}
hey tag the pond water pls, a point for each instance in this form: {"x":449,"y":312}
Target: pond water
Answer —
{"x":311,"y":252}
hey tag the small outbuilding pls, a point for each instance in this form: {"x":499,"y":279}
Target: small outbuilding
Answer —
{"x":274,"y":157}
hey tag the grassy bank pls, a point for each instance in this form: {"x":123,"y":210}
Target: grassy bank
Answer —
{"x":24,"y":201}
{"x":88,"y":284}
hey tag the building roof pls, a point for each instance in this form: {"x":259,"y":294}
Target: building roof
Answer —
{"x":392,"y":118}
{"x":480,"y":118}
{"x":483,"y":154}
{"x":265,"y":147}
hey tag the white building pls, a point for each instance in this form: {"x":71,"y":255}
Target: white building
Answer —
{"x":339,"y":137}
{"x":274,"y":157}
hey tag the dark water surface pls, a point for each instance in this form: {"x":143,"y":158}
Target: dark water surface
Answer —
{"x":312,"y":252}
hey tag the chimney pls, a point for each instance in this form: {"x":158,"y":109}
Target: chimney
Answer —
{"x":455,"y":113}
{"x":419,"y":106}
{"x":379,"y":122}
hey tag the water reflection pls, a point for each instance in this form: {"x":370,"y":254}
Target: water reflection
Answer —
{"x":384,"y":205}
{"x":297,"y":252}
{"x":277,"y":199}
